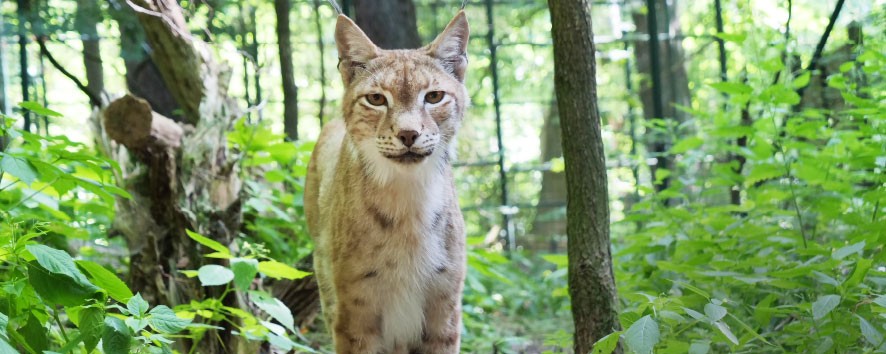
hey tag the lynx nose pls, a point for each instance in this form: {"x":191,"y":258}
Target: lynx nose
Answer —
{"x":408,"y":137}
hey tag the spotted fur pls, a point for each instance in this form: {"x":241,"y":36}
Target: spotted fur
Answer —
{"x":381,"y":206}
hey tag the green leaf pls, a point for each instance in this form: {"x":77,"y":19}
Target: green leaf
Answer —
{"x":274,"y":307}
{"x":208,"y":242}
{"x":643,"y":335}
{"x":245,"y":270}
{"x":687,"y":144}
{"x":92,"y":324}
{"x":732,"y":37}
{"x":733,"y":88}
{"x":694,"y":314}
{"x":213,"y":274}
{"x":137,"y":305}
{"x":105,"y":279}
{"x":279,"y":270}
{"x":39,"y":109}
{"x":802,"y":80}
{"x":560,"y":260}
{"x":714,"y":312}
{"x":848,"y":250}
{"x":117,"y":337}
{"x":55,"y":277}
{"x":880,"y":300}
{"x":869,"y":332}
{"x":824,"y":305}
{"x":861,"y":270}
{"x":825,"y":346}
{"x":163,"y":319}
{"x":35,"y":334}
{"x":724,"y":328}
{"x":18,"y":167}
{"x":700,"y":347}
{"x":607,"y":344}
{"x":5,"y":348}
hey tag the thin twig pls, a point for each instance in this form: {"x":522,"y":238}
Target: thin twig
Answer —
{"x":93,"y":99}
{"x":819,"y":49}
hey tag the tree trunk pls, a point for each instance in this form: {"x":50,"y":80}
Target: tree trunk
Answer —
{"x":88,"y":15}
{"x":290,"y":91}
{"x":550,"y":223}
{"x":187,"y":180}
{"x":376,"y":19}
{"x":591,"y":280}
{"x":142,"y":76}
{"x":672,"y":79}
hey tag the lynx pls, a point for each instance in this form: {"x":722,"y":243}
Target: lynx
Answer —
{"x":380,"y":199}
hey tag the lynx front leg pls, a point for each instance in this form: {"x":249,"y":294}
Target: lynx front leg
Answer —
{"x":442,"y":325}
{"x":357,"y":327}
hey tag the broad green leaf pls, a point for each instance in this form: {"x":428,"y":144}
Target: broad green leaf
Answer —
{"x":208,"y":242}
{"x":4,"y":321}
{"x":164,"y":320}
{"x":694,"y":289}
{"x":39,"y":109}
{"x":825,"y":346}
{"x":279,"y":270}
{"x":724,"y":328}
{"x":700,"y":347}
{"x":861,"y":270}
{"x":244,"y":270}
{"x":560,"y":260}
{"x":105,"y":279}
{"x":763,"y":172}
{"x":274,"y":307}
{"x":733,"y":88}
{"x":824,"y":305}
{"x":35,"y":334}
{"x":686,"y":144}
{"x":848,"y":250}
{"x":694,"y":314}
{"x":5,"y":348}
{"x":55,"y":277}
{"x":869,"y":332}
{"x":607,"y":344}
{"x":714,"y":312}
{"x":92,"y":324}
{"x":802,"y":80}
{"x":116,"y":337}
{"x":18,"y":167}
{"x":137,"y":306}
{"x":643,"y":335}
{"x":880,"y":300}
{"x":213,"y":274}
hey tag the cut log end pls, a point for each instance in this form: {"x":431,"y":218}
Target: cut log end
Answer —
{"x":130,"y":121}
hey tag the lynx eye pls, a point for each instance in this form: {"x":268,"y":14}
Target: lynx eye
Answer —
{"x":376,"y":99}
{"x":434,"y":97}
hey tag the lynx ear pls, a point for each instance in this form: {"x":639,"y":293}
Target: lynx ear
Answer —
{"x":450,"y":47}
{"x":354,"y":47}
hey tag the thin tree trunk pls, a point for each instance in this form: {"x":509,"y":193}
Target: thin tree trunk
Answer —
{"x":591,"y":280}
{"x":88,"y":15}
{"x":321,"y":52}
{"x":667,"y":61}
{"x":290,"y":91}
{"x":24,"y":10}
{"x":390,"y":24}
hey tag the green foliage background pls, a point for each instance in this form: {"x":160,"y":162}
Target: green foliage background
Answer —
{"x":796,"y":266}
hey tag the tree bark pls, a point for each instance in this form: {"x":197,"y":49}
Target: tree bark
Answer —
{"x":591,"y":280}
{"x":290,"y":91}
{"x":88,"y":15}
{"x":672,"y":75}
{"x":390,"y":24}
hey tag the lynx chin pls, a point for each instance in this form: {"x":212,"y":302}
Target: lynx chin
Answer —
{"x":380,"y":199}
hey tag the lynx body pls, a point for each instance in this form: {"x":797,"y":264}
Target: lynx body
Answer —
{"x":380,"y":198}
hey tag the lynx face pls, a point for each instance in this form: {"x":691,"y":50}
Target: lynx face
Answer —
{"x":402,"y":107}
